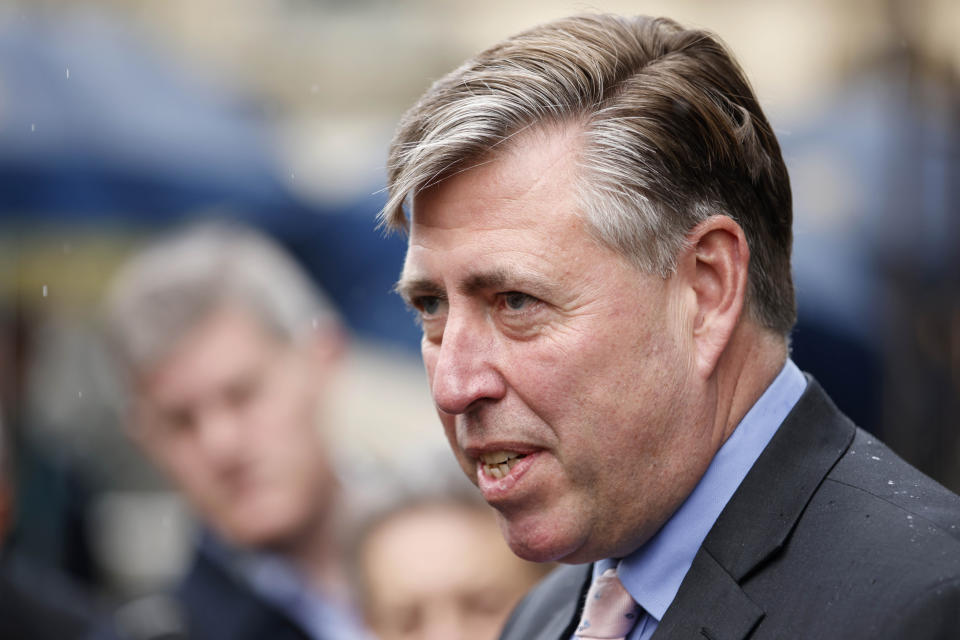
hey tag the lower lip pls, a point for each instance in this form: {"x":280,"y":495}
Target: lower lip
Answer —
{"x":496,"y":489}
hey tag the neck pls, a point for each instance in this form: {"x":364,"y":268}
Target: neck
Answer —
{"x":315,"y":552}
{"x":750,"y":364}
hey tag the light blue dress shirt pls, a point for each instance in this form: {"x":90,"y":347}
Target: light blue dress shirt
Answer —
{"x":653,"y":573}
{"x":276,"y":581}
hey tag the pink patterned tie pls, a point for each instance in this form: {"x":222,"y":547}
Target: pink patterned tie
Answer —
{"x":609,"y":612}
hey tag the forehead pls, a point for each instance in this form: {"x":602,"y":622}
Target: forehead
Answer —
{"x":463,"y":542}
{"x":522,"y":200}
{"x":539,"y":161}
{"x":224,"y":344}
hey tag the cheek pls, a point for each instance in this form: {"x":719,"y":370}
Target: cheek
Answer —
{"x":599,"y":390}
{"x":285,"y":442}
{"x":286,"y":408}
{"x":449,"y":423}
{"x":177,"y":456}
{"x":565,"y":376}
{"x":192,"y":475}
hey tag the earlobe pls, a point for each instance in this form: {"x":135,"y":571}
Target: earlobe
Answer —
{"x":718,"y":260}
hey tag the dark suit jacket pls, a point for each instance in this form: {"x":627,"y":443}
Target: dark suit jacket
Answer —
{"x":40,"y":605}
{"x":209,"y":604}
{"x":218,"y":607}
{"x":831,"y":535}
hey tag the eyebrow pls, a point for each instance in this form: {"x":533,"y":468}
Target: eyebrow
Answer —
{"x":474,"y":283}
{"x":407,"y":288}
{"x":482,"y":281}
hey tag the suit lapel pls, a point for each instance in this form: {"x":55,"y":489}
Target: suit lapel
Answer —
{"x":709,"y":605}
{"x":571,"y":593}
{"x":551,"y":610}
{"x":757,"y":521}
{"x":219,"y":606}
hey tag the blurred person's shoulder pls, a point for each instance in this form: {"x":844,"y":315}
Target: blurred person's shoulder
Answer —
{"x":37,"y":603}
{"x":210,"y":602}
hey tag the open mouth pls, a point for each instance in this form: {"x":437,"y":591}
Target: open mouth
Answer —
{"x":499,"y":463}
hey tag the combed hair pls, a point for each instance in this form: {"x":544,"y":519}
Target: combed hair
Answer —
{"x":670,"y":133}
{"x":178,"y":280}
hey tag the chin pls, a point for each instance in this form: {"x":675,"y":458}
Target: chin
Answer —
{"x":543,"y":543}
{"x":255,"y":537}
{"x":261,"y":531}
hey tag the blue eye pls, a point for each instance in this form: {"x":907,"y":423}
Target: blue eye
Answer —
{"x":516,"y":300}
{"x":428,"y":304}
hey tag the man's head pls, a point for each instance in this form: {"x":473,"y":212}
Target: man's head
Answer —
{"x":593,"y":204}
{"x":437,"y":569}
{"x":228,"y":348}
{"x":668,"y":132}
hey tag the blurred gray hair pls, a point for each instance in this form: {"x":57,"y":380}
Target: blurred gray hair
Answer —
{"x":180,"y":279}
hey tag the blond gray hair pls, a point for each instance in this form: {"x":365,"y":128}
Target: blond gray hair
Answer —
{"x":180,"y":279}
{"x":670,"y":133}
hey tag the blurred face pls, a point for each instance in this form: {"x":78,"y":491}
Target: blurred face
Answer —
{"x":231,"y":415}
{"x":562,"y":375}
{"x":441,"y":572}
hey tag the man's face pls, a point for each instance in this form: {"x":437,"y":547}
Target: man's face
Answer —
{"x":552,"y":359}
{"x":441,"y":572}
{"x":231,"y":415}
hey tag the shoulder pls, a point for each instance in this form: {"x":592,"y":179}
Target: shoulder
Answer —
{"x":40,"y":611}
{"x":903,"y":519}
{"x":217,"y":603}
{"x":210,"y":603}
{"x":871,"y":474}
{"x":550,"y":608}
{"x":832,"y":532}
{"x":876,"y":549}
{"x":873,"y":497}
{"x":933,"y":614}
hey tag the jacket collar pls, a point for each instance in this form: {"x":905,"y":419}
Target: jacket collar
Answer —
{"x":556,"y":612}
{"x":757,"y":522}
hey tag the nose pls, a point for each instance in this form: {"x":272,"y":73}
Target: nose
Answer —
{"x":462,"y":367}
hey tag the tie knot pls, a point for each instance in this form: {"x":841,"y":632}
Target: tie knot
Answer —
{"x":609,"y":612}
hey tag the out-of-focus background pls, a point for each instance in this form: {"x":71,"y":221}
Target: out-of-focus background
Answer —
{"x":121,"y":118}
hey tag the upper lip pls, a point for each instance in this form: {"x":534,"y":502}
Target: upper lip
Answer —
{"x":474,"y":452}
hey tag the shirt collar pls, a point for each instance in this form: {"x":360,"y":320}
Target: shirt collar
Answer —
{"x":278,"y":582}
{"x":653,"y":573}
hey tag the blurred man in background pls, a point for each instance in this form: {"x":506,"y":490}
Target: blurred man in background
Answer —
{"x":433,"y":566}
{"x":228,"y":349}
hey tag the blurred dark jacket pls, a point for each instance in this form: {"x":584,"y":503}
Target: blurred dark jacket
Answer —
{"x":38,"y":604}
{"x":209,"y":604}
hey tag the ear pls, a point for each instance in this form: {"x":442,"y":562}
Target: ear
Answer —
{"x":714,"y":266}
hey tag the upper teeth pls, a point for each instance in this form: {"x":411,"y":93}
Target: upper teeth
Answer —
{"x":499,"y":463}
{"x":498,"y":457}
